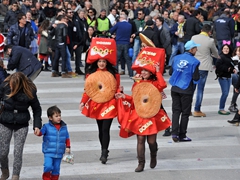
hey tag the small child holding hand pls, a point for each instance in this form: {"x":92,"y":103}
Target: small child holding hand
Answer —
{"x":55,"y":143}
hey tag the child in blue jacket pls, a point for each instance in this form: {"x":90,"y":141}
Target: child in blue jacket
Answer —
{"x":55,"y":143}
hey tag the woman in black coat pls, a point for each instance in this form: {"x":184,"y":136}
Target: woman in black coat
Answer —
{"x":18,"y":93}
{"x":224,"y":69}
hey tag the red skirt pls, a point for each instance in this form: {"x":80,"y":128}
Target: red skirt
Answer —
{"x":132,"y":124}
{"x":100,"y":111}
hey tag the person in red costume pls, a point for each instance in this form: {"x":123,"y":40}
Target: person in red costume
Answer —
{"x":98,"y":101}
{"x":139,"y":121}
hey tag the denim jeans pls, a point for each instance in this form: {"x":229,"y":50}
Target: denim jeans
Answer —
{"x":219,"y":46}
{"x":234,"y":83}
{"x":136,"y":49}
{"x":200,"y":89}
{"x":68,"y":60}
{"x":175,"y":48}
{"x":60,"y":51}
{"x":225,"y":84}
{"x":122,"y":50}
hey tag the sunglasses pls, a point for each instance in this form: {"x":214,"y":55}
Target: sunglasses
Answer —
{"x":70,"y":12}
{"x":139,"y":13}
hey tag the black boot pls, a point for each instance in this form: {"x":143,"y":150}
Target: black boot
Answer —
{"x":167,"y":132}
{"x":141,"y":164}
{"x":5,"y":174}
{"x":236,"y":119}
{"x":79,"y":71}
{"x":104,"y":156}
{"x":41,"y":61}
{"x":153,"y":149}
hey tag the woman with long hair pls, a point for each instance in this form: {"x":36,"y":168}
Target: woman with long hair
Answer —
{"x":91,"y":17}
{"x":102,"y":82}
{"x":18,"y":93}
{"x":43,"y":43}
{"x":91,"y":33}
{"x":224,"y":69}
{"x":128,"y":8}
{"x":145,"y":117}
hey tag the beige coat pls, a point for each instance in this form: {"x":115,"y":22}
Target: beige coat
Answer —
{"x":205,"y":51}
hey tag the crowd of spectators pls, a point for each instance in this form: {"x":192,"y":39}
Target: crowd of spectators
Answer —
{"x":193,"y":13}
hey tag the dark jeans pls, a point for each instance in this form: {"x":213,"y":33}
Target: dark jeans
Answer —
{"x":60,"y":51}
{"x":78,"y":59}
{"x":181,"y":105}
{"x":104,"y":132}
{"x":122,"y":49}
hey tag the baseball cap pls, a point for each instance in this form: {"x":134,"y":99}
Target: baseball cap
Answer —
{"x":191,"y":44}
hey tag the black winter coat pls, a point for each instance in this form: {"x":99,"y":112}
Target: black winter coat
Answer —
{"x":10,"y":18}
{"x":224,"y":66}
{"x":191,"y":27}
{"x":13,"y":36}
{"x":16,"y":113}
{"x":23,"y":60}
{"x":149,"y":32}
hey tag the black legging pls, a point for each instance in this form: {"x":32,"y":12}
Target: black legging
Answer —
{"x":104,"y":132}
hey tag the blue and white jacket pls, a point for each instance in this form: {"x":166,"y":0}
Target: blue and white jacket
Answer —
{"x":183,"y":68}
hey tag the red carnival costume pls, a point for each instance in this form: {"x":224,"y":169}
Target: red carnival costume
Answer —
{"x":2,"y":43}
{"x":136,"y":116}
{"x":101,"y":86}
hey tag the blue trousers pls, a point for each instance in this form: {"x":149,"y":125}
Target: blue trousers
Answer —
{"x":52,"y":165}
{"x":200,"y":89}
{"x":225,"y":84}
{"x":136,"y":49}
{"x":122,"y":50}
{"x":68,"y":60}
{"x":175,"y":48}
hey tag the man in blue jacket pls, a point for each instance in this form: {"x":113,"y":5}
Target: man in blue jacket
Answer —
{"x":185,"y":75}
{"x":20,"y":33}
{"x":123,"y":31}
{"x":23,"y":60}
{"x":224,"y":28}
